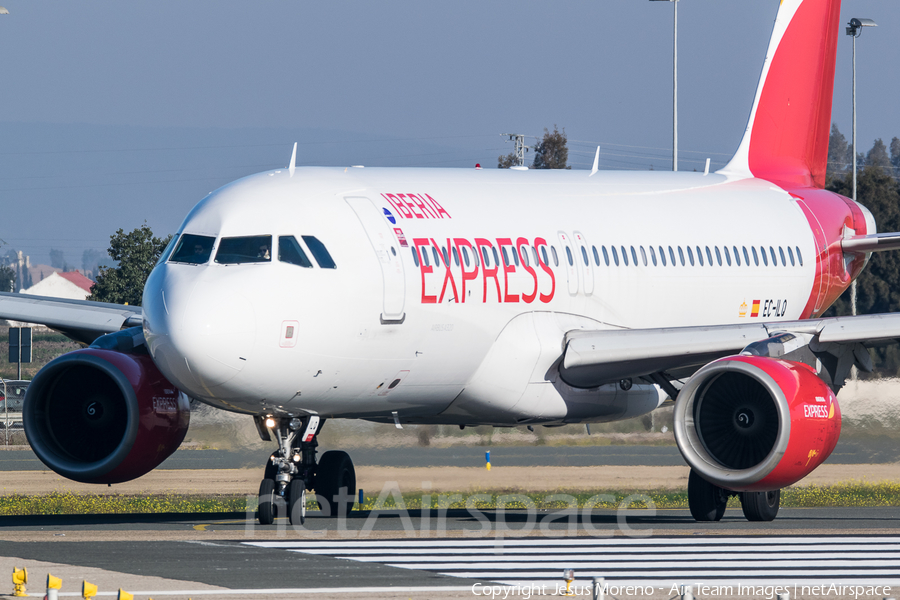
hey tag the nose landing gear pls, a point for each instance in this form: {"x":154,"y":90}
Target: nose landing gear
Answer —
{"x":292,"y":470}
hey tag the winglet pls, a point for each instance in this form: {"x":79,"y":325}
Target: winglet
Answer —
{"x":786,"y":140}
{"x":293,"y":164}
{"x":594,"y":169}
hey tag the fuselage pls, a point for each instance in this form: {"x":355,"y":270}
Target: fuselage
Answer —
{"x":438,"y":272}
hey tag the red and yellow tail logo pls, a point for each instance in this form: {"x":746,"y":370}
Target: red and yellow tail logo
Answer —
{"x":754,"y":311}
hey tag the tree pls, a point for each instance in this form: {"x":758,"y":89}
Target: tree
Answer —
{"x":90,"y":262}
{"x":551,"y":152}
{"x":136,"y":253}
{"x":895,"y":156}
{"x":57,"y":259}
{"x":840,"y":155}
{"x":7,"y":279}
{"x":505,"y":162}
{"x":878,"y":287}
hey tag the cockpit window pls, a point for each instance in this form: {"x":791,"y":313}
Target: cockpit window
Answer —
{"x":169,"y":248}
{"x":289,"y":251}
{"x":193,"y":249}
{"x":250,"y":249}
{"x":319,"y":252}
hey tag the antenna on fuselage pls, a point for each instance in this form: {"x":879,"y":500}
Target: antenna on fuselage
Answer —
{"x":596,"y":166}
{"x":293,"y":164}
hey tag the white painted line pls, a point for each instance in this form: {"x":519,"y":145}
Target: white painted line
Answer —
{"x":579,"y":553}
{"x":345,"y":590}
{"x":580,"y":541}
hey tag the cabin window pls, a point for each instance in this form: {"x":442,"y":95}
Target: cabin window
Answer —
{"x":605,"y":255}
{"x":415,"y":256}
{"x":505,"y":257}
{"x":718,"y":255}
{"x":690,"y":255}
{"x":727,"y":255}
{"x":624,"y":255}
{"x":653,"y":256}
{"x":799,"y":256}
{"x":555,"y":256}
{"x":737,"y":256}
{"x":774,"y":258}
{"x":596,"y":256}
{"x":633,"y":257}
{"x":289,"y":251}
{"x":709,"y":256}
{"x":700,"y":256}
{"x":446,"y":257}
{"x":546,"y":260}
{"x":615,"y":255}
{"x":662,"y":256}
{"x":248,"y":249}
{"x":193,"y":249}
{"x":672,"y":255}
{"x":523,"y":250}
{"x":765,"y":257}
{"x":569,"y":256}
{"x":496,"y":257}
{"x":515,"y":255}
{"x":643,"y":256}
{"x":747,"y":257}
{"x":486,"y":256}
{"x":681,"y":255}
{"x":455,"y":255}
{"x":436,"y":255}
{"x":791,"y":255}
{"x":584,"y":256}
{"x":534,"y":255}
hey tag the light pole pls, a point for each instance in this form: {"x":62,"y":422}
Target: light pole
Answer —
{"x":674,"y":87}
{"x":854,"y":29}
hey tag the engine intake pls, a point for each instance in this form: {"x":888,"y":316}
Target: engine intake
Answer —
{"x":750,"y":423}
{"x":101,"y":416}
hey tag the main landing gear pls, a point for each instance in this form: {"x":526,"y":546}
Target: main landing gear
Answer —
{"x":292,"y":471}
{"x":708,"y":501}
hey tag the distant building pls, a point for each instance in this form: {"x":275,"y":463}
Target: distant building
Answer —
{"x":71,"y":285}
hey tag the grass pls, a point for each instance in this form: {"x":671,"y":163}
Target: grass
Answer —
{"x":851,"y":494}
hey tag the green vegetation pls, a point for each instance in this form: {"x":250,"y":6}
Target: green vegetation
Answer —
{"x":851,"y":494}
{"x":136,"y":253}
{"x":46,"y":345}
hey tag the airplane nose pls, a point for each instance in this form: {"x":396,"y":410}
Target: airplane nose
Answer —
{"x":200,"y":330}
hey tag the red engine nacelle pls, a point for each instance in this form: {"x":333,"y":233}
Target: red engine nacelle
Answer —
{"x":751,"y":423}
{"x":102,"y":416}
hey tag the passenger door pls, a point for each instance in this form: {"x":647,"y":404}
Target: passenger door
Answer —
{"x":388,"y":253}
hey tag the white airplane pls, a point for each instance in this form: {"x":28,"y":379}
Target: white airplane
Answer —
{"x":495,"y":297}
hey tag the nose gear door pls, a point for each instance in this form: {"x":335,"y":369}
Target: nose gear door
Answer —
{"x":387,"y":251}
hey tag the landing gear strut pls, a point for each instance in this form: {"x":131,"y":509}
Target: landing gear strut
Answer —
{"x":292,"y":470}
{"x":708,"y":501}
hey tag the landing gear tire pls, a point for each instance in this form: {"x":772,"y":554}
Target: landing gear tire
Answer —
{"x":266,"y":511}
{"x":297,"y":502}
{"x":707,"y":501}
{"x":760,"y":506}
{"x":335,"y":471}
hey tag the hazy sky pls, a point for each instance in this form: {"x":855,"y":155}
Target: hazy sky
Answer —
{"x":112,"y":113}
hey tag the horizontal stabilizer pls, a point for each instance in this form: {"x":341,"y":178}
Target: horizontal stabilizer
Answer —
{"x":878,"y":242}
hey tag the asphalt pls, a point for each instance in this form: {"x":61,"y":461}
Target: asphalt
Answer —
{"x":872,"y":450}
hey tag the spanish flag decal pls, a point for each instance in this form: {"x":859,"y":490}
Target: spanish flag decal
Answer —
{"x":754,"y":312}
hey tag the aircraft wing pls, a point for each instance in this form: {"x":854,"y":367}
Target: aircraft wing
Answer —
{"x":595,"y":357}
{"x":82,"y":320}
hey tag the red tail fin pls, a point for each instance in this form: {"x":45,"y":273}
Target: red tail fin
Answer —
{"x":786,"y":140}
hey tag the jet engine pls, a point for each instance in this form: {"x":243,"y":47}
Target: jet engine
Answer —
{"x":103,"y":416}
{"x":752,"y":423}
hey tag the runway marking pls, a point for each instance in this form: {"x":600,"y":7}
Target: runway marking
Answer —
{"x":344,"y":590}
{"x":829,"y":559}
